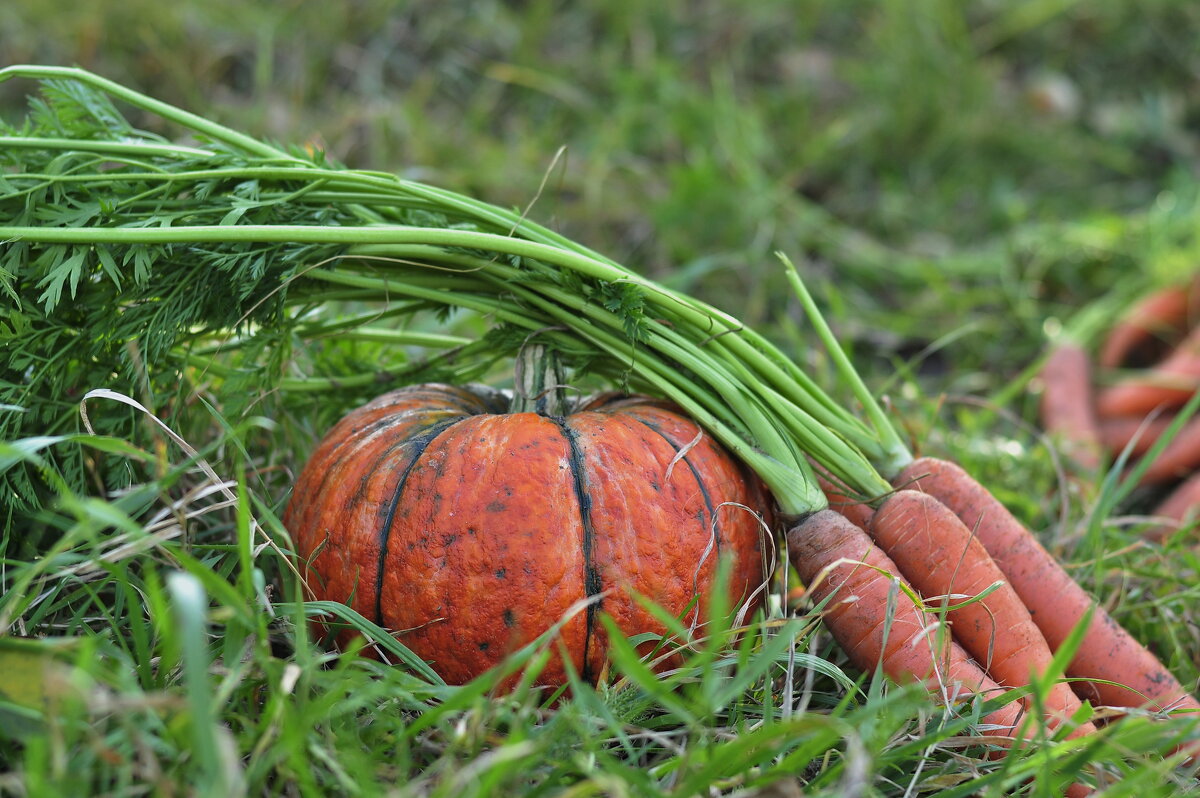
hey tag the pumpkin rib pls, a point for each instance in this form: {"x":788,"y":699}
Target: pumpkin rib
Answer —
{"x":592,"y":585}
{"x":334,"y":480}
{"x":706,"y":459}
{"x":713,"y":520}
{"x":383,"y":415}
{"x":420,"y":444}
{"x":486,"y":552}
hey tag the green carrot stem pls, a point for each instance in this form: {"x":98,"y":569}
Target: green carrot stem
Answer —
{"x":793,"y":484}
{"x":300,"y":384}
{"x":816,"y":439}
{"x":896,"y":453}
{"x":739,"y":347}
{"x":395,"y":287}
{"x":100,"y":146}
{"x":798,"y":491}
{"x":397,"y":337}
{"x":793,"y":407}
{"x":169,"y":112}
{"x":734,"y":395}
{"x":798,"y":388}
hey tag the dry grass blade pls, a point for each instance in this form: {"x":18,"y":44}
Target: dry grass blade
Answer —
{"x":223,"y":486}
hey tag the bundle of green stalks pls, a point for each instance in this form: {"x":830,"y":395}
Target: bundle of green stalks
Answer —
{"x":213,"y":275}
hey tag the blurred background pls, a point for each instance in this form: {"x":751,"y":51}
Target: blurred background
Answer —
{"x":956,"y":180}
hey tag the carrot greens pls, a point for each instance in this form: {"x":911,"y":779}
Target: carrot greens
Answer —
{"x":134,"y":255}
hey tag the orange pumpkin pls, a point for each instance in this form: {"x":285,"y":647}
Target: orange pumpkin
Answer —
{"x":471,"y":530}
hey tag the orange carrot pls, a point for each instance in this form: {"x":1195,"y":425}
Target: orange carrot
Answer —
{"x":941,"y":557}
{"x":1182,"y":506}
{"x":1169,"y":384}
{"x":1157,"y":318}
{"x":837,"y":560}
{"x":1068,"y":413}
{"x":1056,"y":602}
{"x":1178,"y":459}
{"x":855,"y":510}
{"x":1118,"y":432}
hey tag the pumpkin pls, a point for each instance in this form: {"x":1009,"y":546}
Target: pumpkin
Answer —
{"x":470,"y":531}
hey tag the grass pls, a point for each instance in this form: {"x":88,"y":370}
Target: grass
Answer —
{"x":954,"y":184}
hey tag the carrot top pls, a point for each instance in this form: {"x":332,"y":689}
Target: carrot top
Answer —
{"x":276,"y":234}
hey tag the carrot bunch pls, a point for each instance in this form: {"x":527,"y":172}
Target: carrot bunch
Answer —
{"x":915,"y":541}
{"x":880,"y":571}
{"x":1147,"y":368}
{"x":919,"y":540}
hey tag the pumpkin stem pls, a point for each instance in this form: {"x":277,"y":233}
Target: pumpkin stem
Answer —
{"x":538,"y":383}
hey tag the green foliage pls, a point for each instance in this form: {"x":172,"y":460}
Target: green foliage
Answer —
{"x":489,"y":261}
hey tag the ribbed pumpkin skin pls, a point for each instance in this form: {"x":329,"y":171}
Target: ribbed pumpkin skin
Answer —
{"x":430,"y":510}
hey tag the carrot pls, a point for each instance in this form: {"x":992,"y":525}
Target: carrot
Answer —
{"x":1056,"y":602}
{"x":1170,"y":383}
{"x":940,"y":556}
{"x":1137,"y":432}
{"x":1068,"y":412}
{"x":1178,"y":459}
{"x":838,"y":561}
{"x":1159,"y":316}
{"x":855,"y":510}
{"x":1181,"y":506}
